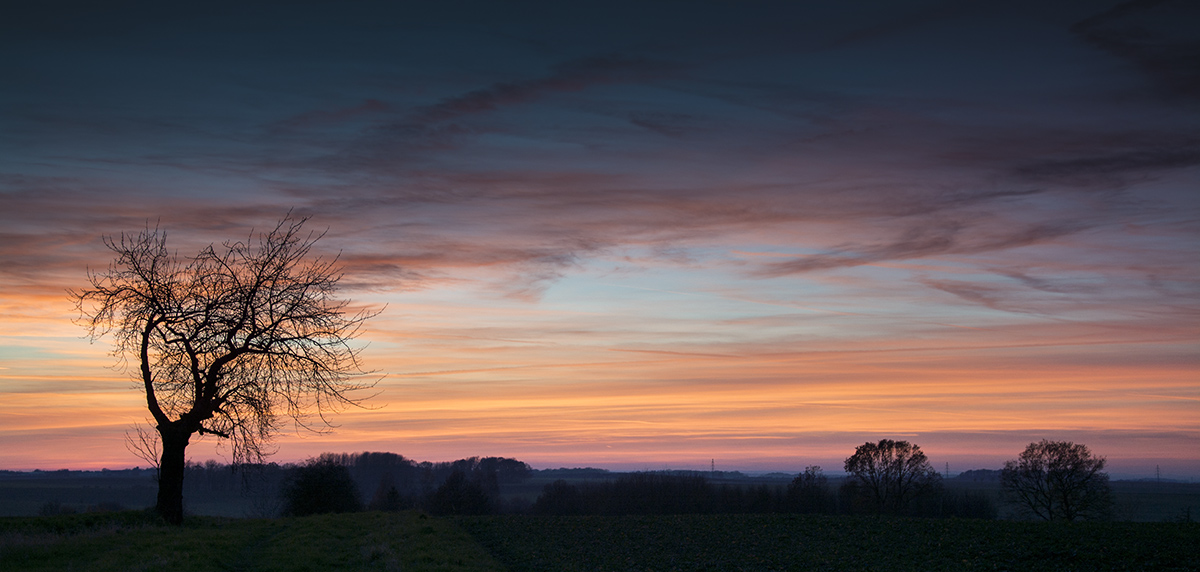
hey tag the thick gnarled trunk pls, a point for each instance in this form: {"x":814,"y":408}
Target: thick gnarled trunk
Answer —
{"x":170,"y":473}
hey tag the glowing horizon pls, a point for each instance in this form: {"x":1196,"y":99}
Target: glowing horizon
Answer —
{"x":760,"y":236}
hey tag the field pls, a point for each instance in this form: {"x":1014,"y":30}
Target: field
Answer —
{"x":814,"y":542}
{"x":413,"y":541}
{"x":131,"y":541}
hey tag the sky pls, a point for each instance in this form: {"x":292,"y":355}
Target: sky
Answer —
{"x":750,"y":235}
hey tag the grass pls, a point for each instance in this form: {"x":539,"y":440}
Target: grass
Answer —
{"x":136,"y":541}
{"x":817,"y":542}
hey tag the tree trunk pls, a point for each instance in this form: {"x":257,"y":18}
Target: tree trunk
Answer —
{"x":170,"y":473}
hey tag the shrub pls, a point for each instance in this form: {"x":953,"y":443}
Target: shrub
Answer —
{"x":106,"y":506}
{"x":55,"y":508}
{"x":320,"y":486}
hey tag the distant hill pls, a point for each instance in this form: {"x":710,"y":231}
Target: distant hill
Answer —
{"x":979,"y":475}
{"x":576,"y":473}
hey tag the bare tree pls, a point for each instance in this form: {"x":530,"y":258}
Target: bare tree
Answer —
{"x":227,"y":341}
{"x":1058,"y":480}
{"x":891,"y":474}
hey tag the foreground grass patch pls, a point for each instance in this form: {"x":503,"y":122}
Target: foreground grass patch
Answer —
{"x":136,"y":541}
{"x":815,"y":542}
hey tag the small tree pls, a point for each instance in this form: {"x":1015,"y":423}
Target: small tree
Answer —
{"x":226,"y":341}
{"x":809,"y":491}
{"x":890,"y":474}
{"x":1058,"y":480}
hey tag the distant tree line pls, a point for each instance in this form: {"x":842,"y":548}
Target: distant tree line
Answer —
{"x":810,"y":492}
{"x":343,"y":482}
{"x":1050,"y":480}
{"x":393,"y":482}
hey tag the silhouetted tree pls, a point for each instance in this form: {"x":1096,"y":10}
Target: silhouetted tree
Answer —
{"x":227,"y":340}
{"x":319,"y":486}
{"x":809,"y":491}
{"x":382,"y":471}
{"x":1058,"y":480}
{"x":501,"y":470}
{"x":890,"y":474}
{"x":460,"y":495}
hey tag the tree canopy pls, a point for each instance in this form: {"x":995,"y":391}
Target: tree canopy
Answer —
{"x":890,"y":474}
{"x":321,"y":485}
{"x":1058,"y":480}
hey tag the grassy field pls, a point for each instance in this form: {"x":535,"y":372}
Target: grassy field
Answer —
{"x":133,"y":541}
{"x":816,"y":542}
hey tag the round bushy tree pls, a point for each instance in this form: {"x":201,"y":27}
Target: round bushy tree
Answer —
{"x":889,"y":475}
{"x":1058,"y":480}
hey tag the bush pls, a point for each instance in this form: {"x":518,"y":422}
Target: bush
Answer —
{"x":55,"y":508}
{"x":460,"y":495}
{"x":106,"y":506}
{"x":320,"y":486}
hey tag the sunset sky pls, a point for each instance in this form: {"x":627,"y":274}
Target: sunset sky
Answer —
{"x":639,"y":235}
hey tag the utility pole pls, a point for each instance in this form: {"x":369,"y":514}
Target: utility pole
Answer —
{"x":947,"y":474}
